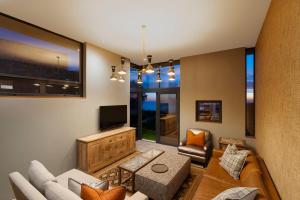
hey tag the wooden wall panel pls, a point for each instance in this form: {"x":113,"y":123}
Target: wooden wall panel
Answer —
{"x":278,"y":96}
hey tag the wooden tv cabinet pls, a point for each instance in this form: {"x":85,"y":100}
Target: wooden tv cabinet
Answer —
{"x":99,"y":150}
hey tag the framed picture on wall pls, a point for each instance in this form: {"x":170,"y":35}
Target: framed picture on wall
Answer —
{"x":209,"y":111}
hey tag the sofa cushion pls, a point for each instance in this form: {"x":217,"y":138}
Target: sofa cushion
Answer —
{"x":209,"y":188}
{"x":242,"y":193}
{"x":215,"y":171}
{"x":23,"y":190}
{"x":192,"y":149}
{"x":254,"y":179}
{"x":233,"y":164}
{"x":54,"y":191}
{"x":89,"y":193}
{"x":251,"y":164}
{"x":38,"y":175}
{"x":195,"y":138}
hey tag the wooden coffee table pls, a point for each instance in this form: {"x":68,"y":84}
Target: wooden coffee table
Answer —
{"x":135,"y":164}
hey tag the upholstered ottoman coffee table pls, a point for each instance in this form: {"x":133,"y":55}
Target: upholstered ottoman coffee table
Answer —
{"x":163,"y":186}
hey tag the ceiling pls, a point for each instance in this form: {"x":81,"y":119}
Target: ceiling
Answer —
{"x":175,"y":28}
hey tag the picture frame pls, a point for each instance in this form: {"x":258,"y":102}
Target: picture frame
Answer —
{"x":209,"y":111}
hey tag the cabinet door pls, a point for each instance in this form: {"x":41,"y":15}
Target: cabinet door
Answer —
{"x":131,"y":140}
{"x":95,"y":156}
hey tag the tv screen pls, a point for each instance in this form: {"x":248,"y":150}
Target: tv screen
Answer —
{"x":113,"y":116}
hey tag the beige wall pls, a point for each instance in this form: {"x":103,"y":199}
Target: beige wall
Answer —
{"x":214,"y":76}
{"x":46,"y":128}
{"x":278,"y":96}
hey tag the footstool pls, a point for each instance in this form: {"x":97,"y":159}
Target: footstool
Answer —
{"x":163,"y":186}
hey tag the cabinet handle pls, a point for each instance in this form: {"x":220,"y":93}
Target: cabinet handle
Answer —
{"x":110,"y":140}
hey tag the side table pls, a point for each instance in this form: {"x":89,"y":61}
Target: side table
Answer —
{"x":224,"y":141}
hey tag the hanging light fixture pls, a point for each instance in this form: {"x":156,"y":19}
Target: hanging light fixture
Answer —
{"x":113,"y":76}
{"x":172,"y":78}
{"x":149,"y":68}
{"x":143,"y":69}
{"x":122,"y":70}
{"x":158,"y":78}
{"x":139,"y":80}
{"x":121,"y":79}
{"x":144,"y":59}
{"x":171,"y":71}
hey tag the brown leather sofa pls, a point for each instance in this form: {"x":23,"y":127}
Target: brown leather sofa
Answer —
{"x":199,"y":154}
{"x":215,"y":179}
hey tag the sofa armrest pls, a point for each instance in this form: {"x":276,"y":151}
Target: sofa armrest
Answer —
{"x":217,"y":153}
{"x":137,"y":196}
{"x":182,"y":142}
{"x":77,"y":175}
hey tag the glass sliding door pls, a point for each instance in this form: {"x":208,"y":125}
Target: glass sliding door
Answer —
{"x":168,"y":119}
{"x":154,"y":106}
{"x":149,"y":116}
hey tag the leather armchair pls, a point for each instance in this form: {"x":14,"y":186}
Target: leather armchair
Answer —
{"x":199,"y":154}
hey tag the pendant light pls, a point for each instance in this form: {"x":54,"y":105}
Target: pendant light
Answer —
{"x":172,"y":78}
{"x":121,"y":79}
{"x":139,"y":80}
{"x":143,"y":69}
{"x":122,"y":70}
{"x":158,"y":78}
{"x":113,"y":76}
{"x":149,"y":68}
{"x":171,"y":71}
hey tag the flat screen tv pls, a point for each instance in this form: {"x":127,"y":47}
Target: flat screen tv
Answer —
{"x":112,"y":116}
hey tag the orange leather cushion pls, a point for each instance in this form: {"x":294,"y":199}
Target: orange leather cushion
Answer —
{"x":195,"y":139}
{"x":88,"y":193}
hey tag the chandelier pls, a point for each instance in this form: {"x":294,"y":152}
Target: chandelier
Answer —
{"x":149,"y":69}
{"x":146,"y":68}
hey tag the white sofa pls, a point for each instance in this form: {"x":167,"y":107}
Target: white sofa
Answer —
{"x":55,"y":189}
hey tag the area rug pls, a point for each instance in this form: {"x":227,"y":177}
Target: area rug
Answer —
{"x":186,"y":191}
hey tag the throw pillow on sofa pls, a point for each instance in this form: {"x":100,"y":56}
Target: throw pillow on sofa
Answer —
{"x":38,"y":175}
{"x":89,"y":193}
{"x":243,"y":193}
{"x":195,"y":138}
{"x":233,"y":164}
{"x":230,"y":149}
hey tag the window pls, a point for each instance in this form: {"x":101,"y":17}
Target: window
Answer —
{"x":37,"y":62}
{"x":250,"y":92}
{"x":149,"y":80}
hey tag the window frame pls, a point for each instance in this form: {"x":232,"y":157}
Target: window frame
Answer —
{"x":80,"y":83}
{"x":250,"y":51}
